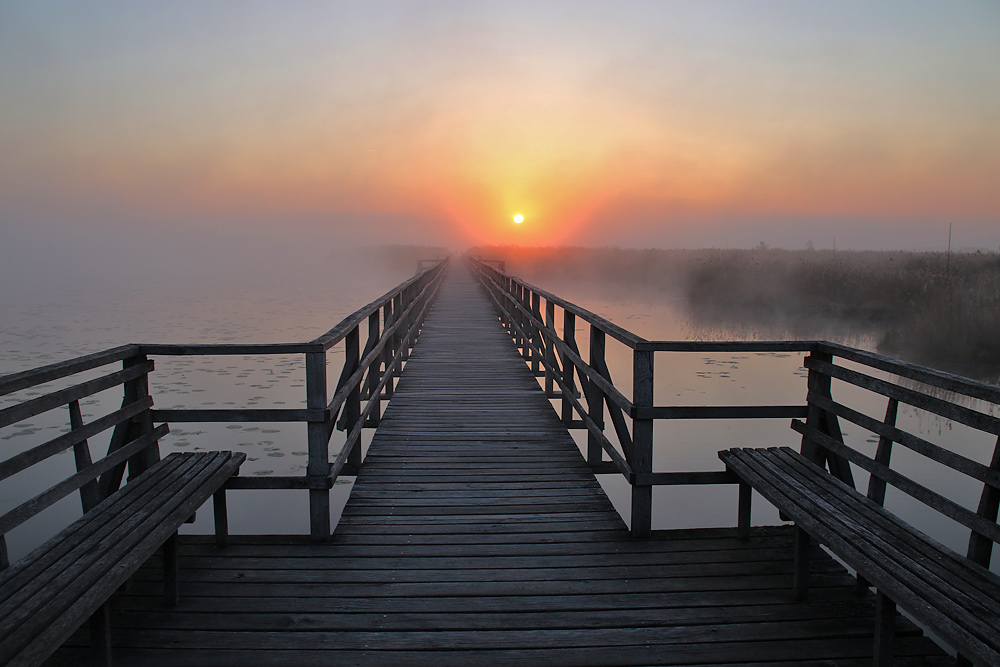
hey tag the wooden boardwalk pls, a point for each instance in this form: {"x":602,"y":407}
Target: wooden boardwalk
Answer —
{"x":476,"y":533}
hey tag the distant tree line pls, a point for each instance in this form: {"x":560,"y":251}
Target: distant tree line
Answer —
{"x":927,"y":307}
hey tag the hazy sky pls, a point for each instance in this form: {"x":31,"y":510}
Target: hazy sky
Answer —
{"x":673,"y":124}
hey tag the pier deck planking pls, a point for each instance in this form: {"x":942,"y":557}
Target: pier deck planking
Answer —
{"x":476,"y":532}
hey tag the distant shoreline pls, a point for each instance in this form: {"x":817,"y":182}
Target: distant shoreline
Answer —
{"x":930,"y":308}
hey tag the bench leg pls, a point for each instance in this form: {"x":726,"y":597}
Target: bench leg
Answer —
{"x":221,"y":518}
{"x":100,"y":635}
{"x":885,"y":629}
{"x":800,"y":576}
{"x":171,"y":574}
{"x":743,"y":520}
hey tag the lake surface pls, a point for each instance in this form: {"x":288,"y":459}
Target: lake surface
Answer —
{"x":58,"y":325}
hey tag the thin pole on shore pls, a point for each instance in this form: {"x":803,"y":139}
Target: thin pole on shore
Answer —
{"x":947,"y":264}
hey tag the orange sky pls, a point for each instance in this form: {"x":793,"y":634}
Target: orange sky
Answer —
{"x":655,"y":124}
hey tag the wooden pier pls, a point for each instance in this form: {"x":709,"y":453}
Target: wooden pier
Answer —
{"x":477,"y":533}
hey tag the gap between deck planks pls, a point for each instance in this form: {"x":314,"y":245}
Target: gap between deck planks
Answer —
{"x":476,"y":532}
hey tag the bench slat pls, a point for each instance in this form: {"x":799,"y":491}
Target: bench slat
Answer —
{"x":47,"y":498}
{"x":954,"y":568}
{"x":932,"y":499}
{"x":119,"y":563}
{"x":27,"y":569}
{"x":111,"y":523}
{"x":58,"y":593}
{"x":834,"y":526}
{"x":963,"y":604}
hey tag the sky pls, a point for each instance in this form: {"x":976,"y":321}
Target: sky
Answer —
{"x":132,"y":127}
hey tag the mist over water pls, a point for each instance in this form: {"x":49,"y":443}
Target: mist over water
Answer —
{"x":282,"y":292}
{"x":224,"y":294}
{"x":933,"y":309}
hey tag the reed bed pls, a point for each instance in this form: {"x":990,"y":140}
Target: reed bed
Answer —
{"x":928,"y":308}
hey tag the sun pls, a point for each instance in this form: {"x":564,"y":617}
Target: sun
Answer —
{"x":518,"y":218}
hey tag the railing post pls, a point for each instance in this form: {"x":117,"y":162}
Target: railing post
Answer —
{"x":390,"y":348}
{"x":127,"y":431}
{"x":89,"y":492}
{"x":536,"y":334}
{"x":513,"y":315}
{"x":568,"y":369}
{"x":817,"y":418}
{"x":318,"y":466}
{"x":550,"y":349}
{"x":511,"y":306}
{"x":981,"y":547}
{"x":519,"y":320}
{"x":352,"y":406}
{"x":138,"y":389}
{"x":883,"y":454}
{"x":397,"y":337}
{"x":642,"y":442}
{"x":374,"y":370}
{"x":595,"y":397}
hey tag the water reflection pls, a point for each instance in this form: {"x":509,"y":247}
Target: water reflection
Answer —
{"x":690,"y":379}
{"x":60,"y":325}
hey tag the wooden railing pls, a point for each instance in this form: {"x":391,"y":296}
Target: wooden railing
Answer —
{"x":133,"y":441}
{"x":530,"y":316}
{"x":376,"y":341}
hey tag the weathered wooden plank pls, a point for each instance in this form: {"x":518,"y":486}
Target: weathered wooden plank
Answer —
{"x":70,"y":588}
{"x":909,"y":579}
{"x":848,"y":651}
{"x":931,"y":498}
{"x":929,"y":376}
{"x":60,"y":490}
{"x":890,"y":433}
{"x":36,"y":406}
{"x":721,"y":412}
{"x":29,"y":457}
{"x":240,"y":415}
{"x":228,"y":349}
{"x":31,"y":378}
{"x":475,"y":532}
{"x":938,"y":406}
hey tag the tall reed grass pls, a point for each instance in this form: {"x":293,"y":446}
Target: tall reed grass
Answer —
{"x":928,"y":308}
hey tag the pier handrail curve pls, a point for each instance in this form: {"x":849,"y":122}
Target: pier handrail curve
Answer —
{"x":376,"y":339}
{"x":553,"y":354}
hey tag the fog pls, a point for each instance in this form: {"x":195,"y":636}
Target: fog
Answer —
{"x":935,"y":309}
{"x":46,"y":258}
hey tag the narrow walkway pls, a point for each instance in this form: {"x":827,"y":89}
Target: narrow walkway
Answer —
{"x":475,"y":534}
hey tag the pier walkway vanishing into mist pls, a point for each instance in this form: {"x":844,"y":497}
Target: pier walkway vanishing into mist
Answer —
{"x":477,"y":533}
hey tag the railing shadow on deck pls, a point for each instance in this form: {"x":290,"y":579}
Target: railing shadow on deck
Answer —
{"x":550,"y":348}
{"x":375,"y":339}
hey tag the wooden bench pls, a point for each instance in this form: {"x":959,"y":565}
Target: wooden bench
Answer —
{"x":953,"y":596}
{"x":47,"y":595}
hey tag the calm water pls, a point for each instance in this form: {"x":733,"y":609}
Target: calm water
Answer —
{"x":54,"y":325}
{"x":59,"y":325}
{"x":762,"y":379}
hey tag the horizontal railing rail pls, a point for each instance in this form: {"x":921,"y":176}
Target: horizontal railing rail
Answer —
{"x":376,"y":340}
{"x":529,"y":315}
{"x":133,"y":441}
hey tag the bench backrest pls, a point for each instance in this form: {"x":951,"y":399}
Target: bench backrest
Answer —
{"x":53,"y":394}
{"x":967,"y":494}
